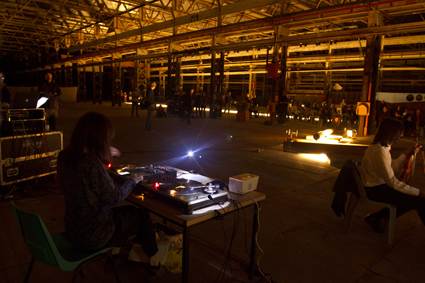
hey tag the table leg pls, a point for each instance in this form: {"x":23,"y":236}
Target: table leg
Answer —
{"x":185,"y":256}
{"x":253,"y":241}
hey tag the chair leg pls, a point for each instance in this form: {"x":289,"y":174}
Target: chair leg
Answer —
{"x":79,"y":268}
{"x":27,"y":276}
{"x":350,"y":212}
{"x":110,"y":259}
{"x":74,"y":278}
{"x":391,"y":225}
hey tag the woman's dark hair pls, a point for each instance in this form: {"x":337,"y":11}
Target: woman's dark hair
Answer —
{"x":388,"y":131}
{"x":91,"y":135}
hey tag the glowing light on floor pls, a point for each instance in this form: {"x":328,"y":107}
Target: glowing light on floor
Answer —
{"x":317,"y":157}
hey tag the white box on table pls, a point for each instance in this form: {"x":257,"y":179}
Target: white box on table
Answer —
{"x":243,"y":183}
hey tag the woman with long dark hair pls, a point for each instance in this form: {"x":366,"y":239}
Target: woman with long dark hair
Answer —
{"x":377,"y":173}
{"x":91,"y":220}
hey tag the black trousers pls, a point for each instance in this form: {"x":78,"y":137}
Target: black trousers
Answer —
{"x":404,"y":202}
{"x":202,"y":110}
{"x":189,"y":113}
{"x":130,"y":220}
{"x":135,"y":106}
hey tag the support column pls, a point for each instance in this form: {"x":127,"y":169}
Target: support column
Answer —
{"x":81,"y":92}
{"x":199,"y":80}
{"x":162,"y":87}
{"x":97,"y":84}
{"x":57,"y":75}
{"x":141,"y":71}
{"x":280,"y":54}
{"x":116,"y":84}
{"x":68,"y":74}
{"x":372,"y":116}
{"x":227,"y":81}
{"x":250,"y":82}
{"x":327,"y":88}
{"x":370,"y":73}
{"x":254,"y":86}
{"x":380,"y":73}
{"x":282,"y":67}
{"x":174,"y":83}
{"x":217,"y":65}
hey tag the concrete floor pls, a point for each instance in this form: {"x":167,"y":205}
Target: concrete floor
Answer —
{"x":300,"y":238}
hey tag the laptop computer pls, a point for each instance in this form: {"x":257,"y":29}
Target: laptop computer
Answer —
{"x":26,"y":100}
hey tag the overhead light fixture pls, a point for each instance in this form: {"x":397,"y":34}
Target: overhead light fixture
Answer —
{"x":337,"y":86}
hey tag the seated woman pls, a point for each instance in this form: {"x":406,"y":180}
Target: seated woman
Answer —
{"x":160,"y":112}
{"x":377,"y":173}
{"x":252,"y":109}
{"x":92,"y":220}
{"x":216,"y":107}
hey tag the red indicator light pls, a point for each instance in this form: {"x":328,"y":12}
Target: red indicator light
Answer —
{"x":109,"y":165}
{"x":156,"y":185}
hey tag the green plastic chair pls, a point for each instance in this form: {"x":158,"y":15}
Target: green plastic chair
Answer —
{"x":54,"y":250}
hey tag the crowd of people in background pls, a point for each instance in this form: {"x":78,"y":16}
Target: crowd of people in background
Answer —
{"x":193,"y":104}
{"x":329,"y":116}
{"x":196,"y":103}
{"x":412,"y":119}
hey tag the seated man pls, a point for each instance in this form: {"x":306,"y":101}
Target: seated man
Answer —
{"x":377,"y":173}
{"x":253,"y":110}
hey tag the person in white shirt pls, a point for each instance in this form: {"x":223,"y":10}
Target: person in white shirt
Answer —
{"x":377,"y":174}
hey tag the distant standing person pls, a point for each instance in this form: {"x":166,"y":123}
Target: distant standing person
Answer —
{"x":187,"y":106}
{"x":150,"y":99}
{"x":197,"y":104}
{"x":282,"y":108}
{"x":204,"y":102}
{"x":228,"y":101}
{"x":6,"y":98}
{"x":385,"y":114}
{"x":48,"y":88}
{"x":135,"y":102}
